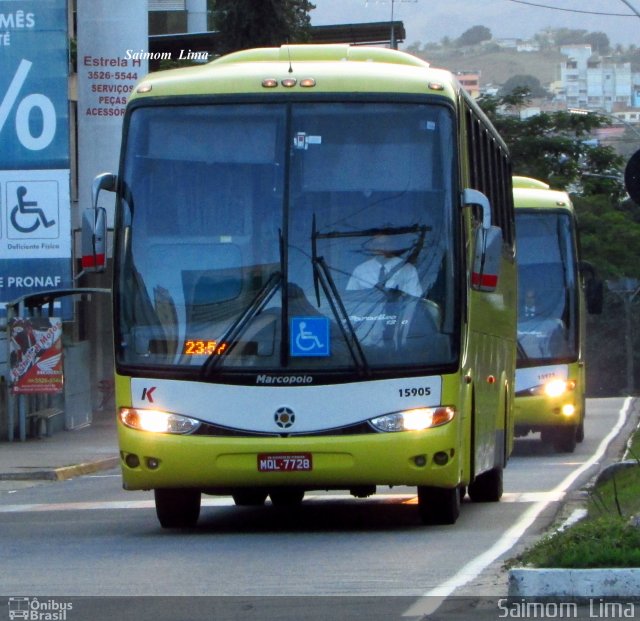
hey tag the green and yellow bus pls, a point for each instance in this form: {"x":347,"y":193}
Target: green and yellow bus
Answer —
{"x":314,"y":282}
{"x":550,"y":375}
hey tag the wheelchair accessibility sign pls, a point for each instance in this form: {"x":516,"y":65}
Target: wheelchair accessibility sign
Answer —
{"x":309,"y":336}
{"x":32,"y":209}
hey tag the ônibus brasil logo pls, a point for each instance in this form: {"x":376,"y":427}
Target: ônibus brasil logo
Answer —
{"x":34,"y":609}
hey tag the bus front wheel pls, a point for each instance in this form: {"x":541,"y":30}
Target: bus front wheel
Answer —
{"x":565,"y":439}
{"x":487,"y":487}
{"x":177,"y":508}
{"x":438,"y":505}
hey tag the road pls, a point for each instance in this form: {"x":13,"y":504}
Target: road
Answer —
{"x":87,"y":537}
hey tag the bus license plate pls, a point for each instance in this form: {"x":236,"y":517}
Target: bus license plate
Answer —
{"x":284,"y":462}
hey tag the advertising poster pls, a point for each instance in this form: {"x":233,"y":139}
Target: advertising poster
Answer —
{"x":35,"y":208}
{"x":35,"y":355}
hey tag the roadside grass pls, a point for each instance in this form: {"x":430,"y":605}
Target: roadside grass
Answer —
{"x":609,"y":535}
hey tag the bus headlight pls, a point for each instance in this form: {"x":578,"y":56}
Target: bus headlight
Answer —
{"x":157,"y":421}
{"x":557,"y":387}
{"x":413,"y":420}
{"x":553,"y":388}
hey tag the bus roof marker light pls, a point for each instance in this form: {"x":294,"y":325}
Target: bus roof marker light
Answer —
{"x":269,"y":83}
{"x":289,"y":82}
{"x":308,"y":82}
{"x":436,"y":86}
{"x":145,"y":87}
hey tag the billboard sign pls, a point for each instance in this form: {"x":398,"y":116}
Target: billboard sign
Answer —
{"x":34,"y":108}
{"x":35,"y":206}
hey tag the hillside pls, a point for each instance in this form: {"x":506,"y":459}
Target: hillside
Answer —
{"x":498,"y":66}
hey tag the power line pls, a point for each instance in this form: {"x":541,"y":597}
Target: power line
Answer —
{"x":557,"y":8}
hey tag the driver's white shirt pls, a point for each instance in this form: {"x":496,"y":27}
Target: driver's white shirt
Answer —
{"x":405,"y":278}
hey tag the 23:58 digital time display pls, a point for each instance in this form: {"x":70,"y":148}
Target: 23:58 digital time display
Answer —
{"x":202,"y":347}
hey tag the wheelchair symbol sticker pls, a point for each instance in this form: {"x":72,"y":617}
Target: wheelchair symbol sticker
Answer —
{"x":309,"y":336}
{"x":32,"y":209}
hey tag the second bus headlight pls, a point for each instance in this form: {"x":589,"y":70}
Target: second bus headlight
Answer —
{"x":157,"y":421}
{"x":557,"y":387}
{"x":413,"y":420}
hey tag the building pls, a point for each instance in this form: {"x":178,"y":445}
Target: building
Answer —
{"x":594,"y":82}
{"x":470,"y":81}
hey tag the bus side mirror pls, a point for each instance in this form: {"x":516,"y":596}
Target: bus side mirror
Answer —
{"x":94,"y":233}
{"x":486,"y":260}
{"x":593,"y":288}
{"x":632,"y":177}
{"x":488,"y":245}
{"x":94,"y":227}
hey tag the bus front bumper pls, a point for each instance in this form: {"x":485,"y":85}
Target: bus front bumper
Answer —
{"x":155,"y":460}
{"x":535,"y":413}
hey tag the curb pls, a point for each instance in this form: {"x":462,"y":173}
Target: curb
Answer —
{"x":574,"y":583}
{"x":63,"y":473}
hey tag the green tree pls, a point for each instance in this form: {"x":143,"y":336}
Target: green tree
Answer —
{"x":527,"y":81}
{"x":569,"y":36}
{"x":556,"y":147}
{"x":245,"y":24}
{"x":474,"y":36}
{"x":598,"y":41}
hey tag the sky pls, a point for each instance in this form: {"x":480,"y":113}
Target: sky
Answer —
{"x":432,"y":20}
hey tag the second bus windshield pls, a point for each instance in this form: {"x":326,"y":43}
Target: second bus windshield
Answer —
{"x":288,"y":237}
{"x":547,"y":287}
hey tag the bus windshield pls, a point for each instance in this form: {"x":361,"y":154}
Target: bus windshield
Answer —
{"x":547,"y":287}
{"x":287,"y":237}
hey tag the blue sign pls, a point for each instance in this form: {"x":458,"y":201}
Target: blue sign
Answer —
{"x":28,"y":276}
{"x":309,"y":336}
{"x":34,"y":70}
{"x":35,"y":206}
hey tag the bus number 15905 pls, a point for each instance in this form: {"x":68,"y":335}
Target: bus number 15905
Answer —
{"x":422,"y":391}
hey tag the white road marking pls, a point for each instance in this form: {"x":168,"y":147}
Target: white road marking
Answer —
{"x":435,"y":596}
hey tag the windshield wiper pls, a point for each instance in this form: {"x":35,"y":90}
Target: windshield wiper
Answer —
{"x":322,"y":276}
{"x":521,"y":353}
{"x":238,"y":326}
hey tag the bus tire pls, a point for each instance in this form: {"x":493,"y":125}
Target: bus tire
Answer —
{"x":286,"y":496}
{"x":566,"y":439}
{"x":177,"y":508}
{"x":487,"y":487}
{"x":250,"y":497}
{"x":438,"y":505}
{"x":580,"y":431}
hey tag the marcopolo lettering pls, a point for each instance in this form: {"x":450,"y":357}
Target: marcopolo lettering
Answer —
{"x":284,"y":379}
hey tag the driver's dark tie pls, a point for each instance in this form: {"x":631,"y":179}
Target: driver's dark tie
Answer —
{"x":382,"y":276}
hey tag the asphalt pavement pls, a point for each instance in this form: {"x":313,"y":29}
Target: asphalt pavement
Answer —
{"x":70,"y":453}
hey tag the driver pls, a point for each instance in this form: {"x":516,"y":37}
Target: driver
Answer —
{"x":385,"y":270}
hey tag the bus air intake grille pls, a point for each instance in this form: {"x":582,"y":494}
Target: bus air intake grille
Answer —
{"x":210,"y":429}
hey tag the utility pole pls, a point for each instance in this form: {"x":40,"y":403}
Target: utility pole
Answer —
{"x":631,"y":7}
{"x":393,"y":44}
